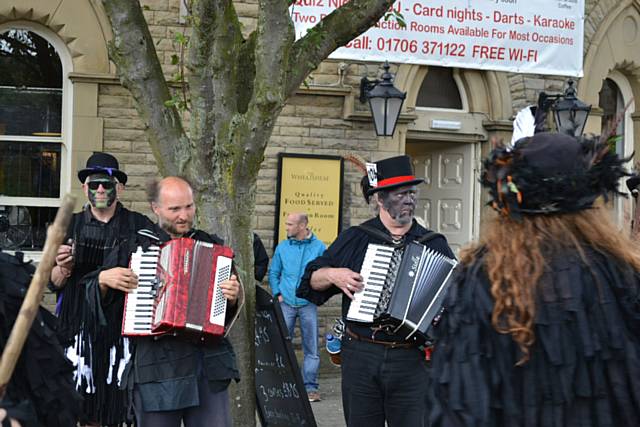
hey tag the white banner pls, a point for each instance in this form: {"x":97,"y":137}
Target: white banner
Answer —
{"x":523,"y":36}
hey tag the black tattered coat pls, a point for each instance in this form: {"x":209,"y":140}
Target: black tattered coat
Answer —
{"x":41,"y":391}
{"x":584,"y":368}
{"x":90,"y":324}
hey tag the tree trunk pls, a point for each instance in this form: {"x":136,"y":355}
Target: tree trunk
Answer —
{"x":213,"y":212}
{"x":213,"y":215}
{"x":237,"y":89}
{"x":226,"y":203}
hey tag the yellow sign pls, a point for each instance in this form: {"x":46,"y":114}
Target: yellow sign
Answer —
{"x":313,"y":185}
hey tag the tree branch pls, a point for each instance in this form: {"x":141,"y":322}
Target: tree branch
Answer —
{"x":246,"y":72}
{"x":335,"y":30}
{"x":213,"y":57}
{"x":134,"y":53}
{"x":213,"y":53}
{"x":274,"y":39}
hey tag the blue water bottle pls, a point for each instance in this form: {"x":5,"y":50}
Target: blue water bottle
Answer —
{"x":334,"y":345}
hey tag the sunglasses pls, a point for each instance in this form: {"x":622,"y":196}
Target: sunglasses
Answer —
{"x":107,"y":185}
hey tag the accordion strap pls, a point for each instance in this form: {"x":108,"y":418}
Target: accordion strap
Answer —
{"x":428,"y":236}
{"x":379,"y":234}
{"x":425,"y":238}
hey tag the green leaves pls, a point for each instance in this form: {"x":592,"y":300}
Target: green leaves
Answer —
{"x":180,"y":42}
{"x":612,"y":142}
{"x":397,"y":16}
{"x":180,"y":38}
{"x":177,"y":102}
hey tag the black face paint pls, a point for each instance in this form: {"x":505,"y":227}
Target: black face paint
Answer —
{"x":105,"y":198}
{"x":401,"y":204}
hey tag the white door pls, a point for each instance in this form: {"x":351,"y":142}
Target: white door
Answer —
{"x":446,"y":199}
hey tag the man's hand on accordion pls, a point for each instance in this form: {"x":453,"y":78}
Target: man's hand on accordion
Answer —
{"x":347,"y":280}
{"x":230,"y":289}
{"x":120,"y":278}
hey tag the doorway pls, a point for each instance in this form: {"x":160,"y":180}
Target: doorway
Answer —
{"x":446,"y":200}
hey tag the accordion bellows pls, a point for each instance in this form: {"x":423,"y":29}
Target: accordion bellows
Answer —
{"x":403,"y":288}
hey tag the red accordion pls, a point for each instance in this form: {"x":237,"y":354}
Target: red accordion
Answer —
{"x":179,"y":290}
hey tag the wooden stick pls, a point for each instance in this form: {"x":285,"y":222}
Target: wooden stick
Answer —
{"x":29,"y":308}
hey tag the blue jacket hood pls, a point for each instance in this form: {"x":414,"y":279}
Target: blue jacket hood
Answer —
{"x":287,"y":267}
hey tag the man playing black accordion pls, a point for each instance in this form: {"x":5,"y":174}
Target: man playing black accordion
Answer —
{"x":90,"y":278}
{"x":384,"y":375}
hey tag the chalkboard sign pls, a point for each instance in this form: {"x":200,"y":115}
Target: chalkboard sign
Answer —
{"x":282,"y":399}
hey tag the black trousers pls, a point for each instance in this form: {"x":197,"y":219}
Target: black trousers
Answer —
{"x":381,"y":384}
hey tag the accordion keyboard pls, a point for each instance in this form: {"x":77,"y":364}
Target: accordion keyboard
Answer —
{"x":374,"y":271}
{"x":138,"y":312}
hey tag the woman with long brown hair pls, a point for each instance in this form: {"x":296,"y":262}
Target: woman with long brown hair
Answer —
{"x":543,"y":319}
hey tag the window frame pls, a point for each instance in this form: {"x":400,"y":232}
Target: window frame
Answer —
{"x":455,"y":72}
{"x":626,"y":92}
{"x":66,"y":124}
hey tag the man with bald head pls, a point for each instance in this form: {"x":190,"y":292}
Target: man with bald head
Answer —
{"x":175,"y":380}
{"x":289,"y":262}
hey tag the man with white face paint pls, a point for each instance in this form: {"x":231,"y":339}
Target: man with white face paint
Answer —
{"x":91,"y":276}
{"x":384,"y":377}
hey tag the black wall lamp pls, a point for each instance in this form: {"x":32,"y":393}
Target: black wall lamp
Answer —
{"x":385,"y":101}
{"x":569,"y":112}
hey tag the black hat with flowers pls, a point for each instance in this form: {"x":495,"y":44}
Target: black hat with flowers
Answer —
{"x":102,"y":163}
{"x":550,"y":173}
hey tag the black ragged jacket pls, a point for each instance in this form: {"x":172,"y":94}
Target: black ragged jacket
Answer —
{"x":584,"y":366}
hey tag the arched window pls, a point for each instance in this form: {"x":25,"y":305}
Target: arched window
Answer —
{"x":439,"y":90}
{"x":612,"y":103}
{"x":32,"y":146}
{"x":614,"y":94}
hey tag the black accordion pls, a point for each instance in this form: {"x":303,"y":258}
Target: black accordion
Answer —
{"x":404,"y":288}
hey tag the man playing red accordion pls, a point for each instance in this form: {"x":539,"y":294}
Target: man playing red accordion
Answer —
{"x":173,"y":379}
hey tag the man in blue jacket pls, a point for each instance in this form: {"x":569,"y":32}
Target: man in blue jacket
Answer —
{"x":289,"y":262}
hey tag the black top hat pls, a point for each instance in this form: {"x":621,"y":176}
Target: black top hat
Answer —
{"x":102,"y":163}
{"x":550,"y":173}
{"x":391,"y":173}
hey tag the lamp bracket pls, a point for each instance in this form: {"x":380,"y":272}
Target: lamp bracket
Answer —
{"x":365,"y":87}
{"x":546,"y":100}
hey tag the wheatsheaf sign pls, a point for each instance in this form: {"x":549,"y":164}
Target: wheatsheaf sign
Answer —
{"x":311,"y":184}
{"x":527,"y":36}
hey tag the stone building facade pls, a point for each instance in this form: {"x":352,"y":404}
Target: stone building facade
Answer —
{"x":325,"y":117}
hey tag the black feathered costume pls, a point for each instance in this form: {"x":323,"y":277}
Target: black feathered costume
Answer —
{"x":584,"y":368}
{"x":41,"y":391}
{"x":584,"y":365}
